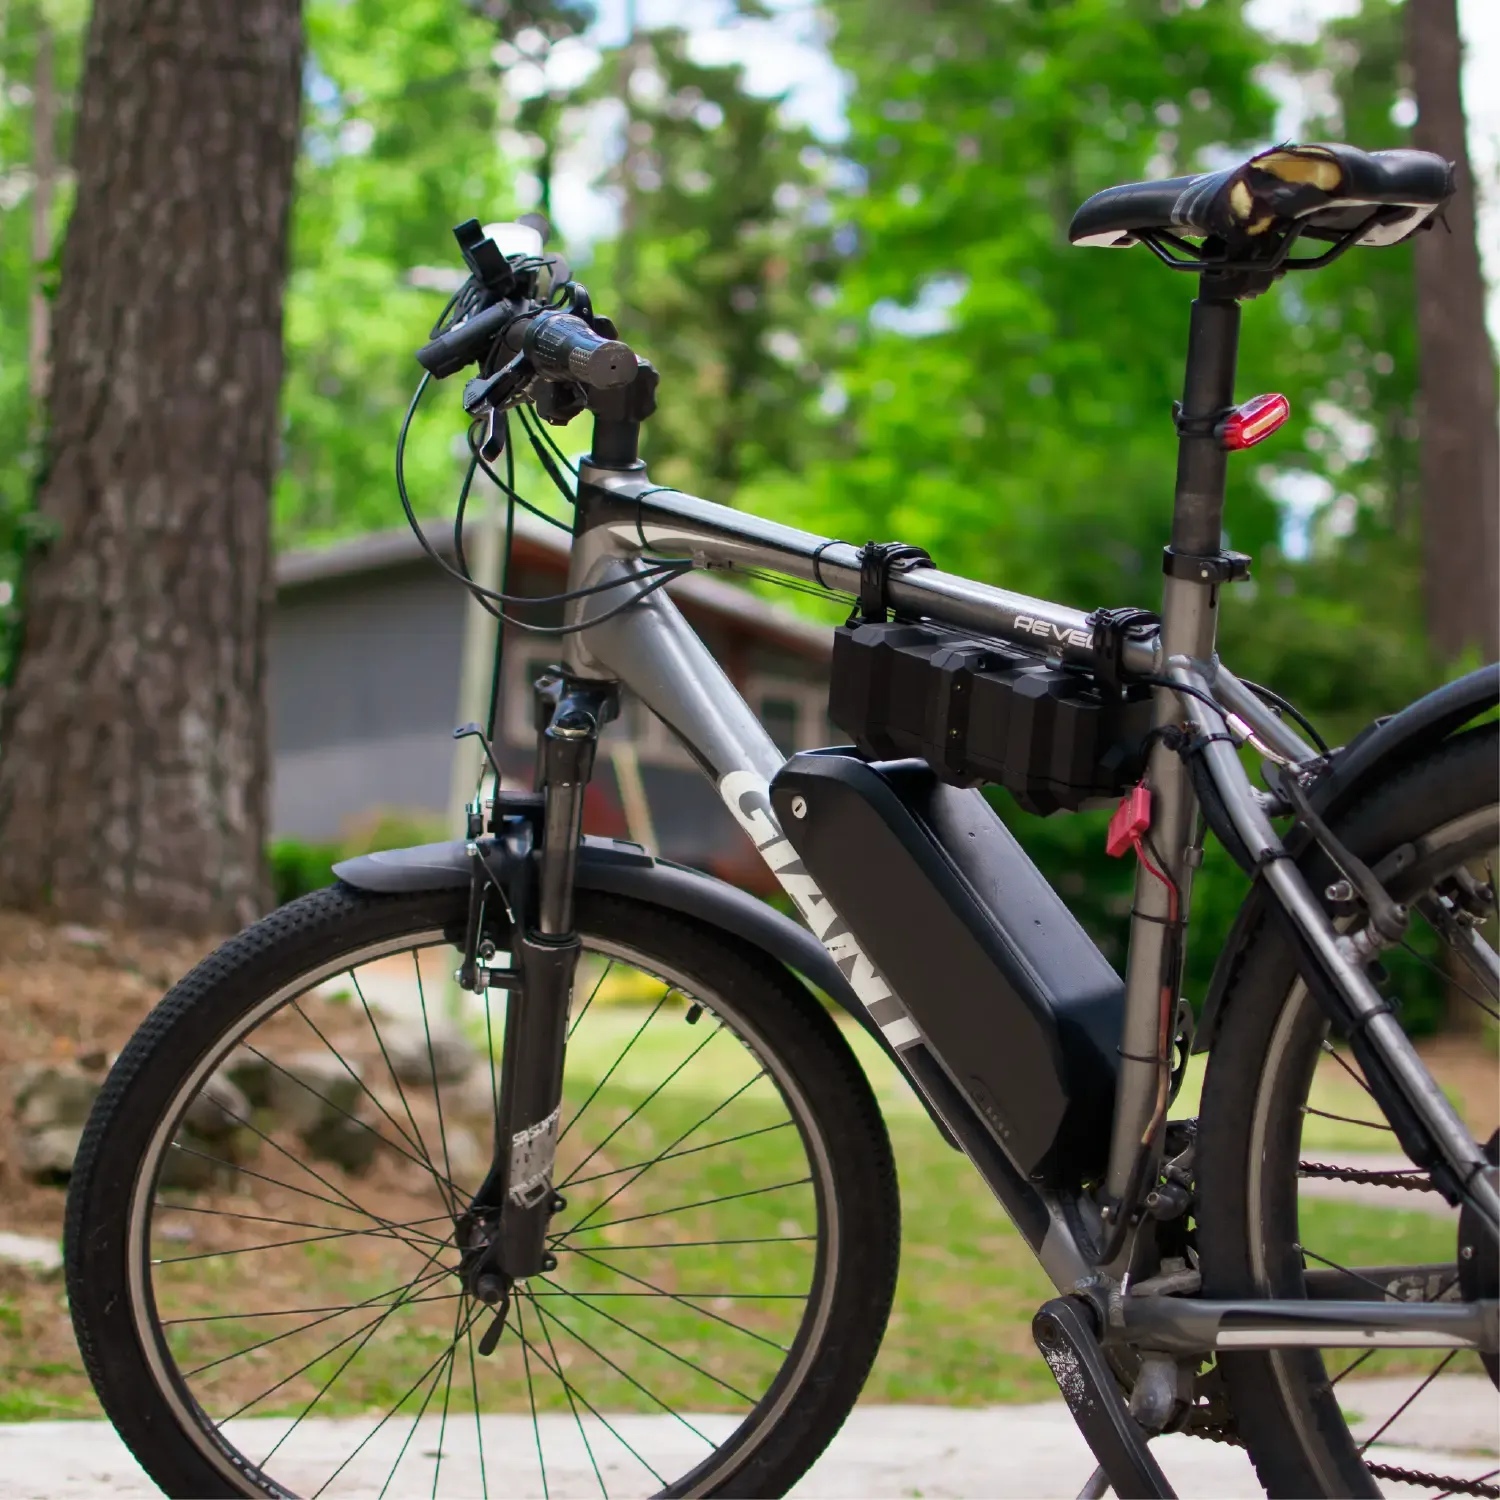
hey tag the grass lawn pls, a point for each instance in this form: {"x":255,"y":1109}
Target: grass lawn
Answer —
{"x":652,"y":1316}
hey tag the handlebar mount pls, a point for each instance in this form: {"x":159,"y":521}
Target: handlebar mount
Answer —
{"x":554,"y":352}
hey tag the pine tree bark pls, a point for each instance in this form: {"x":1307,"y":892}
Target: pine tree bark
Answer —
{"x":133,"y":749}
{"x":1460,"y":445}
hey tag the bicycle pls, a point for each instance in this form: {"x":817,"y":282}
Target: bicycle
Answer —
{"x":676,"y":1258}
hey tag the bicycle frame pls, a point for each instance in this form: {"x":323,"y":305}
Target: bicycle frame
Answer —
{"x":624,"y":522}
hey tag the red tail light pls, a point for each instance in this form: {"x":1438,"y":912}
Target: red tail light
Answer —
{"x":1253,"y":421}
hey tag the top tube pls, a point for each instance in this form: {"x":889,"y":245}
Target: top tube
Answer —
{"x":642,"y":517}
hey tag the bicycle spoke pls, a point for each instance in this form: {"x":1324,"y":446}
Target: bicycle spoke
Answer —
{"x":332,"y":1187}
{"x":567,"y":1391}
{"x":275,"y":1182}
{"x":1333,"y":1265}
{"x":650,"y":1395}
{"x":646,"y":1101}
{"x":608,"y":970}
{"x":234,"y":1213}
{"x":599,"y":1416}
{"x":484,"y":1483}
{"x":374,"y":1301}
{"x":1451,"y":979}
{"x":444,"y":1359}
{"x":437,"y":1468}
{"x":677,"y":1141}
{"x":536,"y":1426}
{"x":764,"y":1239}
{"x":400,"y":1402}
{"x":676,"y":1297}
{"x":368,"y":1330}
{"x":437,"y":1095}
{"x":609,"y":1072}
{"x":1350,"y":1368}
{"x":1329,"y":1048}
{"x":1442,"y":1365}
{"x":1323,"y":1114}
{"x":584,"y":1300}
{"x":683,"y":1208}
{"x":386,"y":1057}
{"x":676,"y":1155}
{"x":422,"y":1159}
{"x":313,"y":1239}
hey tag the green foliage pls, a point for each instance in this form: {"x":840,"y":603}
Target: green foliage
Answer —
{"x":298,"y":867}
{"x":720,"y":261}
{"x":21,"y":419}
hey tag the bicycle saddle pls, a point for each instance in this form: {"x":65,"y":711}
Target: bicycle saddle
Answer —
{"x":1322,"y":190}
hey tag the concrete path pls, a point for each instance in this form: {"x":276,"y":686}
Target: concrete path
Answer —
{"x":1453,"y":1428}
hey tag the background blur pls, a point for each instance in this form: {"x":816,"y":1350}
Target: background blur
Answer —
{"x":838,"y":230}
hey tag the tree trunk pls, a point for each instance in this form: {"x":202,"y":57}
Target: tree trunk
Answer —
{"x":135,"y":753}
{"x":1460,"y":461}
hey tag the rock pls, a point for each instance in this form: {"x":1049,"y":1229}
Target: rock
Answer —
{"x":192,"y":1165}
{"x":81,"y":937}
{"x":46,"y":1154}
{"x":344,"y":1142}
{"x":468,"y":1157}
{"x":29,"y":1250}
{"x":54,"y":1094}
{"x":218,"y":1109}
{"x":250,"y":1074}
{"x":311,"y":1088}
{"x":314,"y":1095}
{"x":406,"y":1045}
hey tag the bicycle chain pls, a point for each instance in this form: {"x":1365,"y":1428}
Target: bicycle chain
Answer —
{"x":1411,"y":1181}
{"x":1446,"y":1484}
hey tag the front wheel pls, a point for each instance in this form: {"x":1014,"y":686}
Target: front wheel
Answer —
{"x":261,"y":1223}
{"x":1303,"y":1188}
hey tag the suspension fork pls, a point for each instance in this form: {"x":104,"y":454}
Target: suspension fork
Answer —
{"x":517,"y":1199}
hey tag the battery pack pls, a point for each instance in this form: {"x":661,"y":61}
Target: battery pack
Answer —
{"x":982,"y":712}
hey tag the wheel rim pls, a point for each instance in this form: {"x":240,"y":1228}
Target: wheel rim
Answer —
{"x":1318,"y":1156}
{"x":624,"y":1370}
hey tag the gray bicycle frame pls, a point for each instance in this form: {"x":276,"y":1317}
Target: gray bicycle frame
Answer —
{"x":624,"y":520}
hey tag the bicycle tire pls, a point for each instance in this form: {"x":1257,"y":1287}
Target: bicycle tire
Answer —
{"x":1255,"y":1090}
{"x":193,"y":1028}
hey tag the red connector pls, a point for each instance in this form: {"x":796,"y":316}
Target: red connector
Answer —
{"x":1131,"y":820}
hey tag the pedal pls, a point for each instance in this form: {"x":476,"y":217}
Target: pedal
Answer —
{"x":1065,"y":1334}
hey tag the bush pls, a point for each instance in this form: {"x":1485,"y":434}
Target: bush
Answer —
{"x":298,"y":867}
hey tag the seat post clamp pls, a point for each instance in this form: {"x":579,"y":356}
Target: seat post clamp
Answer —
{"x":1213,"y":568}
{"x":877,"y":561}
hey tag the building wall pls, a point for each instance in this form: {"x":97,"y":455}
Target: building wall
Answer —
{"x":364,"y":693}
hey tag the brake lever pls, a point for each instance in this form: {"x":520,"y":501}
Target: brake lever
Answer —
{"x":490,"y":396}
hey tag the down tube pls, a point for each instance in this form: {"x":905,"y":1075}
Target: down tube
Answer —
{"x":655,"y":652}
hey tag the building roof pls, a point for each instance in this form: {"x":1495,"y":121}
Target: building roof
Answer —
{"x":541,"y":544}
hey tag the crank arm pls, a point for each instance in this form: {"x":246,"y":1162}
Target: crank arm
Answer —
{"x":1065,"y":1332}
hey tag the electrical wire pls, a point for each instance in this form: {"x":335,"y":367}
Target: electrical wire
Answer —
{"x":656,"y":574}
{"x":528,"y":419}
{"x":1277,"y":701}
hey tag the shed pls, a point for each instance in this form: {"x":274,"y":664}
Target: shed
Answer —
{"x":366,"y":640}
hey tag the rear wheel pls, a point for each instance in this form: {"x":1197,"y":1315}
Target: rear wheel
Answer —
{"x":1303,"y":1188}
{"x":261,"y":1260}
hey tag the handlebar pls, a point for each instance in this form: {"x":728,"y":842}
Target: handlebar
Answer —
{"x":563,"y":347}
{"x":559,"y":345}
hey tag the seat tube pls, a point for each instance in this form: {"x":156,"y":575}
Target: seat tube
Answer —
{"x":1190,"y":606}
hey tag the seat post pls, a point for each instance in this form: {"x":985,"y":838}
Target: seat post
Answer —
{"x":1189,"y":615}
{"x":1208,"y":387}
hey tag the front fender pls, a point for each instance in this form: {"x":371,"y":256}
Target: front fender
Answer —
{"x":624,"y":869}
{"x":1374,"y":754}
